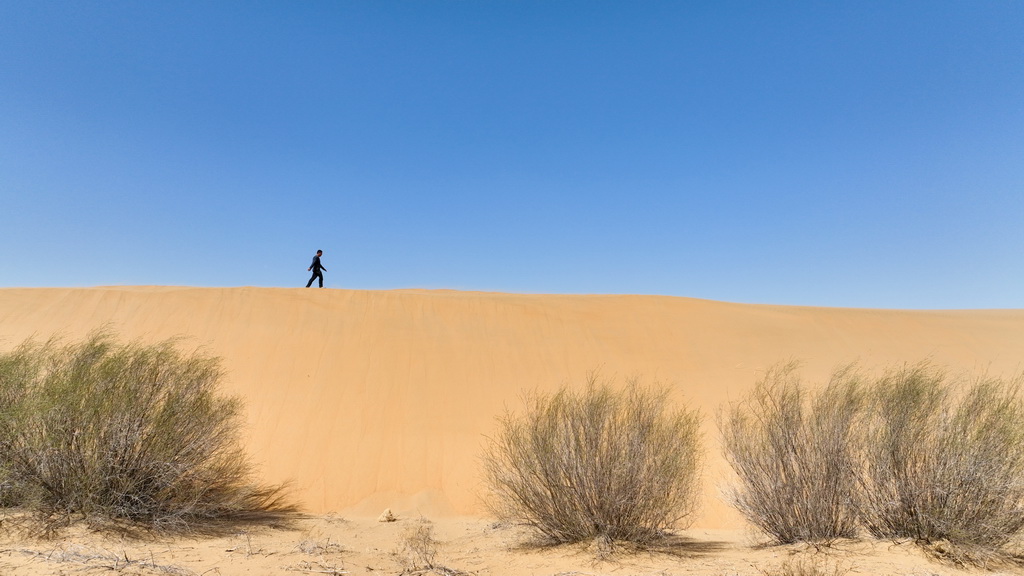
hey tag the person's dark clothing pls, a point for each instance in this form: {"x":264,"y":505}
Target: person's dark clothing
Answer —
{"x":316,"y":267}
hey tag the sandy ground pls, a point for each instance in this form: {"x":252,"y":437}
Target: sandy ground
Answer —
{"x":371,"y":399}
{"x":335,"y":545}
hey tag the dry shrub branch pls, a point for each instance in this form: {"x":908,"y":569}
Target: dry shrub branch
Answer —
{"x":124,"y":432}
{"x":600,"y":462}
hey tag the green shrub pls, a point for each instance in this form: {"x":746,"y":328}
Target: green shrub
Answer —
{"x":945,"y":462}
{"x":596,"y":463}
{"x":17,"y":369}
{"x":795,"y":455}
{"x":124,"y":432}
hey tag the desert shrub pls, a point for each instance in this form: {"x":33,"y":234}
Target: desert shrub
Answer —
{"x":596,"y":463}
{"x":125,"y":432}
{"x":17,"y":368}
{"x":795,"y":455}
{"x":945,"y":462}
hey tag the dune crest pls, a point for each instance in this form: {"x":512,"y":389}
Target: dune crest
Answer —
{"x":369,"y":400}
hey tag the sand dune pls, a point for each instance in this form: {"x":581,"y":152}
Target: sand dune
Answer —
{"x":374,"y":399}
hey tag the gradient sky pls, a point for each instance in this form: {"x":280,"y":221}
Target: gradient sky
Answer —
{"x":861,"y":154}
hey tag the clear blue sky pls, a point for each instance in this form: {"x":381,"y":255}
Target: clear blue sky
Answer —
{"x":865,"y":154}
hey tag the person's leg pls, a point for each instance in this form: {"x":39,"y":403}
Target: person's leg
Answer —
{"x":311,"y":278}
{"x":321,"y":275}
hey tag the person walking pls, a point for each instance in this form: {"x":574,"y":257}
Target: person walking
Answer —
{"x":316,"y":267}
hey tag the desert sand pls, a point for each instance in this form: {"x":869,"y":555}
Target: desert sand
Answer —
{"x":340,"y":546}
{"x":366,"y":400}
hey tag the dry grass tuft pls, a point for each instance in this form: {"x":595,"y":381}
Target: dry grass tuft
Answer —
{"x":105,"y":561}
{"x":418,"y":551}
{"x":806,"y":567}
{"x":418,"y":547}
{"x":598,"y":463}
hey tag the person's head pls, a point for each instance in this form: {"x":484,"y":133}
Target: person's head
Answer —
{"x":319,"y":252}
